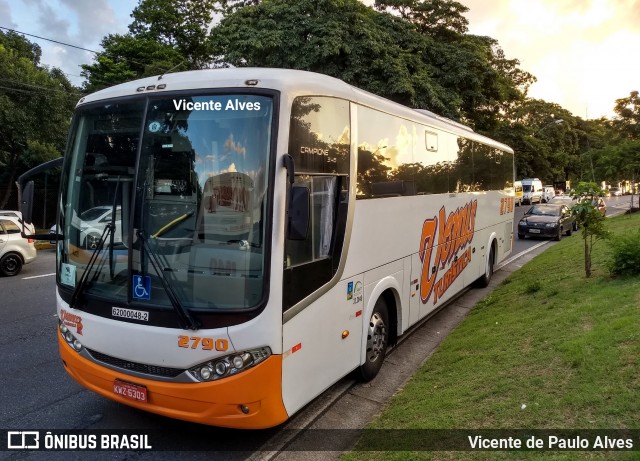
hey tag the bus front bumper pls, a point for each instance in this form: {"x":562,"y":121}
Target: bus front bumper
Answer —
{"x":218,"y":403}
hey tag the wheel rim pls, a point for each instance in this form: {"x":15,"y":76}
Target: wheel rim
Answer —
{"x":10,"y":264}
{"x":376,"y":339}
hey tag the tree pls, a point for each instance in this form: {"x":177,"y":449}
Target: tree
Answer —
{"x":438,"y":18}
{"x":627,"y":121}
{"x":165,"y":35}
{"x":546,"y":138}
{"x":342,"y":38}
{"x":589,"y":218}
{"x":471,"y":67}
{"x":35,"y":107}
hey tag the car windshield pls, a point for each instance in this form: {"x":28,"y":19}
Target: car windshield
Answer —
{"x":188,"y":178}
{"x":526,"y":187}
{"x":544,"y":211}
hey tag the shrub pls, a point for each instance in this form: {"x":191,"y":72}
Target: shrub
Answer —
{"x":626,"y":254}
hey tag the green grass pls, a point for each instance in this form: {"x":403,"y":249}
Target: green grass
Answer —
{"x":565,"y":346}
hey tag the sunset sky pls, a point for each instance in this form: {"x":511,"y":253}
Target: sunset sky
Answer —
{"x":584,"y":53}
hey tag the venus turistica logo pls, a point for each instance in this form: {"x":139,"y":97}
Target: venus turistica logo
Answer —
{"x":454,"y":233}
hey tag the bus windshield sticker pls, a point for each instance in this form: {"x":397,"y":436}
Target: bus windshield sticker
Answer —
{"x":68,"y":274}
{"x":142,"y":287}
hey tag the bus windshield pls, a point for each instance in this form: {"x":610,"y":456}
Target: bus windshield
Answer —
{"x":170,"y":196}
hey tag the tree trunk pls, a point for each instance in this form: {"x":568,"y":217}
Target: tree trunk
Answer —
{"x":587,"y":259}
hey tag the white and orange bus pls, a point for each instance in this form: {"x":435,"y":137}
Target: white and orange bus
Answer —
{"x":280,"y":229}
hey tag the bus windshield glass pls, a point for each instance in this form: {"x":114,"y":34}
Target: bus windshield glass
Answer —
{"x":170,"y":197}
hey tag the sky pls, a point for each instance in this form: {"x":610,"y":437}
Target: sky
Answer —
{"x":584,"y":53}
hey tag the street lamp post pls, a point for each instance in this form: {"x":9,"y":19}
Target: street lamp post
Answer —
{"x":553,"y":122}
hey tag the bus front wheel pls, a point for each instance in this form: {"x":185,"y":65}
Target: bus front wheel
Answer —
{"x":377,"y":341}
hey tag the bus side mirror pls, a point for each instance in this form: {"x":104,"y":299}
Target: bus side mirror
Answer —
{"x":298,"y":213}
{"x":26,"y":202}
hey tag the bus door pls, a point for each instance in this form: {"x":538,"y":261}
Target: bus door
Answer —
{"x":321,"y":333}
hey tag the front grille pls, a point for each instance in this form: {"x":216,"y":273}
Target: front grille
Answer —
{"x":155,"y":370}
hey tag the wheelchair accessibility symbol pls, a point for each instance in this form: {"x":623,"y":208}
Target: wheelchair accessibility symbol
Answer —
{"x":142,"y":287}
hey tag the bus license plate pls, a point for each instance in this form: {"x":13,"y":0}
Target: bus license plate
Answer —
{"x":534,"y":231}
{"x":130,"y":391}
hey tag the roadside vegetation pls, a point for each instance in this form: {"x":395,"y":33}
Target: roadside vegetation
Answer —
{"x":547,"y":349}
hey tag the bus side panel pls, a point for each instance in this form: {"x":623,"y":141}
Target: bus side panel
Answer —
{"x":322,"y":343}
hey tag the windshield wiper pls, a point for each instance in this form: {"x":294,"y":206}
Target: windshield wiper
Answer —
{"x":183,"y":313}
{"x":108,"y":229}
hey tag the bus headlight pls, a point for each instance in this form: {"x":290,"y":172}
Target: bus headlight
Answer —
{"x":229,"y":365}
{"x":68,"y":337}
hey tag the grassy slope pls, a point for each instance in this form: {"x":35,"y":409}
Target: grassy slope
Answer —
{"x":565,"y":346}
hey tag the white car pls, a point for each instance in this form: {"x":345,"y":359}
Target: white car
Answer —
{"x":17,"y":217}
{"x":15,"y":250}
{"x":615,"y":192}
{"x":92,"y":224}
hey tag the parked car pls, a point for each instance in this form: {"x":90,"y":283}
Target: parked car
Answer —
{"x":599,"y":204}
{"x":548,"y":192}
{"x":93,"y":222}
{"x":29,"y":228}
{"x":566,"y":200}
{"x":615,"y":192}
{"x":15,"y":250}
{"x":547,"y":221}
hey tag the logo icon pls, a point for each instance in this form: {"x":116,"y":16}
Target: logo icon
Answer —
{"x":349,"y":291}
{"x":23,"y":440}
{"x":142,"y":287}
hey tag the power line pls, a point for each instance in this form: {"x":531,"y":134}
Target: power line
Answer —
{"x":79,"y":48}
{"x":35,"y":92}
{"x":50,"y":40}
{"x":59,"y":90}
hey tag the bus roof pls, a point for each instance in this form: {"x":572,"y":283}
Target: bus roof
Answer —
{"x":290,"y":81}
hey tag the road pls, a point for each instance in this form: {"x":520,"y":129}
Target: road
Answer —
{"x":38,"y":394}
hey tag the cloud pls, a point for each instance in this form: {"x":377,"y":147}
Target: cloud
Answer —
{"x":75,"y":22}
{"x":580,"y":50}
{"x":5,"y":12}
{"x":95,"y":18}
{"x":231,"y":145}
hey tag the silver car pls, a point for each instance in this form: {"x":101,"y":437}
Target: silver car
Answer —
{"x":15,"y":251}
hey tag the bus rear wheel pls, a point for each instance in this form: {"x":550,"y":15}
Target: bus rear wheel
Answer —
{"x":377,"y":341}
{"x":483,"y":281}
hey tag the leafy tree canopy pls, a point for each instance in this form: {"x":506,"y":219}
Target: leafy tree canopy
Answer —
{"x":35,"y":107}
{"x":165,"y":35}
{"x":341,"y":38}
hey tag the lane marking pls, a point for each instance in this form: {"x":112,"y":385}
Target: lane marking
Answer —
{"x":37,"y":276}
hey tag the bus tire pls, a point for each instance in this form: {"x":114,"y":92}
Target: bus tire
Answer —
{"x":483,"y":281}
{"x":377,"y":341}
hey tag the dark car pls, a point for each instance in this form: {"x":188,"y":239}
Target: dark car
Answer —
{"x":546,"y":221}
